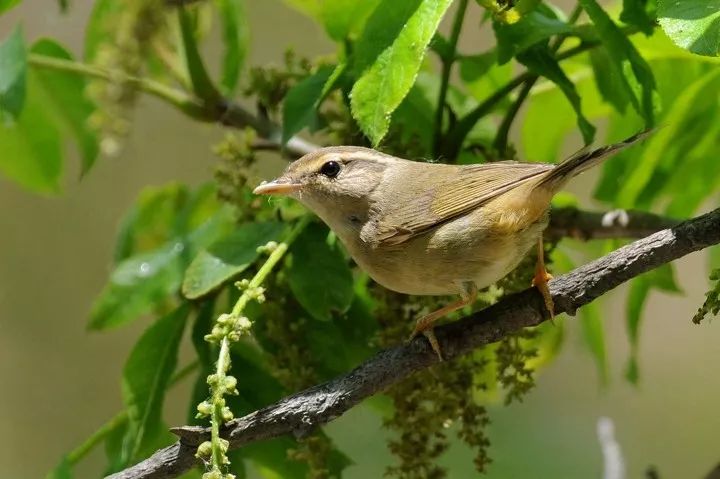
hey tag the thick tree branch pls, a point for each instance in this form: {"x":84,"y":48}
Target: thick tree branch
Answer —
{"x":300,"y":413}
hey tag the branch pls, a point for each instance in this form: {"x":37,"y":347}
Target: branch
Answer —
{"x":447,"y":63}
{"x":456,"y":136}
{"x":235,"y":115}
{"x":228,"y":113}
{"x":501,"y":138}
{"x":300,"y":413}
{"x":570,"y":222}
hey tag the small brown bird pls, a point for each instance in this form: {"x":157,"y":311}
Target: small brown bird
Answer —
{"x":431,"y":228}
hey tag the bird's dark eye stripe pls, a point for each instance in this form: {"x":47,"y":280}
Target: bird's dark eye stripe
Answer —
{"x":330,"y":169}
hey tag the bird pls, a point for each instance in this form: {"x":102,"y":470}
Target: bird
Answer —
{"x":423,"y":228}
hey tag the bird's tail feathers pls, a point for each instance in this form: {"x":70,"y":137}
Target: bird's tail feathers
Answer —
{"x":584,"y":160}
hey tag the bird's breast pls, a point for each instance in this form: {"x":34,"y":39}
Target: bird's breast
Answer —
{"x":440,"y":261}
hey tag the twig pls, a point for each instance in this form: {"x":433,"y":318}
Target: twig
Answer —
{"x":174,"y":96}
{"x":501,"y":138}
{"x":456,"y":136}
{"x":228,"y":113}
{"x":299,"y":414}
{"x":447,"y":64}
{"x":574,"y":223}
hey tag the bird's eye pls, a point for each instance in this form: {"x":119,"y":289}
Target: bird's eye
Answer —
{"x":330,"y":169}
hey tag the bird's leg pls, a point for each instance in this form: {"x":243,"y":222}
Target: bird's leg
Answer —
{"x":424,"y":325}
{"x":541,"y":278}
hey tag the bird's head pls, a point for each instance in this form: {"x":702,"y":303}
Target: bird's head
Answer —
{"x":333,"y":177}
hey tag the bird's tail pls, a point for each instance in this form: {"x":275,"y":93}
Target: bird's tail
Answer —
{"x":584,"y":160}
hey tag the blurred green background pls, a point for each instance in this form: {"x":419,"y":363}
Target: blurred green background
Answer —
{"x":59,"y":382}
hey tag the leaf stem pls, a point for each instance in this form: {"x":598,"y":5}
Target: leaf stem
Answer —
{"x":501,"y":138}
{"x":74,"y":456}
{"x":177,"y":98}
{"x":268,"y":266}
{"x":456,"y":136}
{"x":226,"y":112}
{"x":448,"y":61}
{"x":223,"y":364}
{"x":227,"y":330}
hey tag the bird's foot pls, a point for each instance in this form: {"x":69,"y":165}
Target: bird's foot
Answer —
{"x":424,"y":325}
{"x":540,"y":281}
{"x":426,"y":329}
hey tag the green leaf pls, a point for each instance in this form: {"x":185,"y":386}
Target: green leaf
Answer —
{"x":202,"y":84}
{"x":145,"y":280}
{"x":301,"y":103}
{"x":270,"y":458}
{"x":340,"y":345}
{"x":714,"y":258}
{"x":151,"y":221}
{"x":635,"y":12}
{"x":114,"y":447}
{"x":235,"y":35}
{"x":319,"y":275}
{"x":482,"y":75}
{"x":66,"y":97}
{"x":687,"y":189}
{"x":6,"y":5}
{"x":145,"y":378}
{"x":381,"y":29}
{"x":616,"y":168}
{"x":547,"y":105}
{"x":514,"y":38}
{"x":662,"y":278}
{"x":594,"y":334}
{"x":611,"y":87}
{"x":227,"y":257}
{"x":692,"y":24}
{"x":161,"y":213}
{"x":627,"y":63}
{"x":390,"y":74}
{"x":475,"y":67}
{"x":415,"y":116}
{"x":541,"y":62}
{"x":309,"y":7}
{"x":62,"y":471}
{"x":31,"y":146}
{"x":13,"y":71}
{"x":203,"y":324}
{"x":342,"y":18}
{"x":683,"y":111}
{"x":97,"y":30}
{"x":137,"y":284}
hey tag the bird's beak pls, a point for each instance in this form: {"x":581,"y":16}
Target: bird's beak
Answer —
{"x":279,"y":186}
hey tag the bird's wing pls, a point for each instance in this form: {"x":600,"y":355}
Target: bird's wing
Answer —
{"x":469,"y":188}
